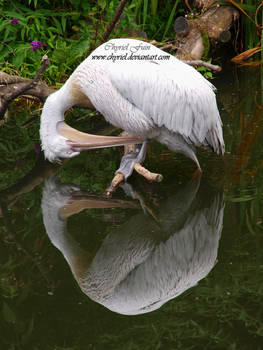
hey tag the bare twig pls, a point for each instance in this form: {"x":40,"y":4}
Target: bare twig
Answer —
{"x":168,"y":47}
{"x":115,"y":183}
{"x":147,"y":174}
{"x":202,"y":63}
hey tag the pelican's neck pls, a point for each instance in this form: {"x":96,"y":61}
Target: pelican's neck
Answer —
{"x":52,"y":113}
{"x":55,"y":107}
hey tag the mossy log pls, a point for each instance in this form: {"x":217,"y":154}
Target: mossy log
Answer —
{"x":194,"y":34}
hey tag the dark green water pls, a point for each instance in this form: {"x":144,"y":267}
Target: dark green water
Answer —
{"x":184,"y":273}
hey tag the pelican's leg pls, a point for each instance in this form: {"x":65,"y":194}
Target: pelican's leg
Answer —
{"x":128,"y":160}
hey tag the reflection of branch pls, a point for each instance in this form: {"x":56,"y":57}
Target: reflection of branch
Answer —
{"x":13,"y":91}
{"x":19,"y":246}
{"x":31,"y":180}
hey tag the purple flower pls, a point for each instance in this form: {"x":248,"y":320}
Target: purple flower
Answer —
{"x":14,"y":21}
{"x":35,"y":45}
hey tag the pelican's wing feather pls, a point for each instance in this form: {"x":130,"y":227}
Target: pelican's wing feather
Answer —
{"x":151,"y":92}
{"x":171,"y":94}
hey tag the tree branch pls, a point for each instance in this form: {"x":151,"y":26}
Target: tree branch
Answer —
{"x":13,"y":91}
{"x":204,"y":64}
{"x":114,"y":20}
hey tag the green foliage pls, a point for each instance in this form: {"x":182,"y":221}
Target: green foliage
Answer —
{"x":156,"y":17}
{"x":206,"y":44}
{"x":170,"y":19}
{"x":206,"y":72}
{"x":67,"y":32}
{"x":69,"y":29}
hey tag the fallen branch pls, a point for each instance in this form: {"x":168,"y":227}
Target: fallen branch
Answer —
{"x":13,"y":91}
{"x":194,"y":34}
{"x":40,"y":91}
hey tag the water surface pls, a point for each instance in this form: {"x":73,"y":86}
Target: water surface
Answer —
{"x":179,"y":266}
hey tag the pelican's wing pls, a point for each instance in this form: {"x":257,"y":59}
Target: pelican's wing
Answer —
{"x":171,"y":94}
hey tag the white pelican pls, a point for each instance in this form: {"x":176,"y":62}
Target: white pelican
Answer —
{"x":138,"y":88}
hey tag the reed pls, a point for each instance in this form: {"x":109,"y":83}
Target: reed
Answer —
{"x":252,"y":19}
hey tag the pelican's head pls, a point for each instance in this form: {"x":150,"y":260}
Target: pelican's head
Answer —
{"x":54,"y":145}
{"x":59,"y":140}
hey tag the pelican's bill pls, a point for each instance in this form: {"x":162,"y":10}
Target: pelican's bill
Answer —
{"x":81,"y":141}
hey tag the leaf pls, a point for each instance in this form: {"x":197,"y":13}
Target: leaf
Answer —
{"x":63,"y":23}
{"x":58,"y":25}
{"x":209,"y":75}
{"x":37,"y":24}
{"x":19,"y":58}
{"x":102,"y":4}
{"x":154,"y":4}
{"x":22,"y":33}
{"x":145,"y":9}
{"x":4,"y":53}
{"x":170,"y":19}
{"x":78,"y":49}
{"x":7,"y":32}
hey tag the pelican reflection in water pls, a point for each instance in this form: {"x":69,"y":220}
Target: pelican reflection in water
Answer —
{"x":141,"y":264}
